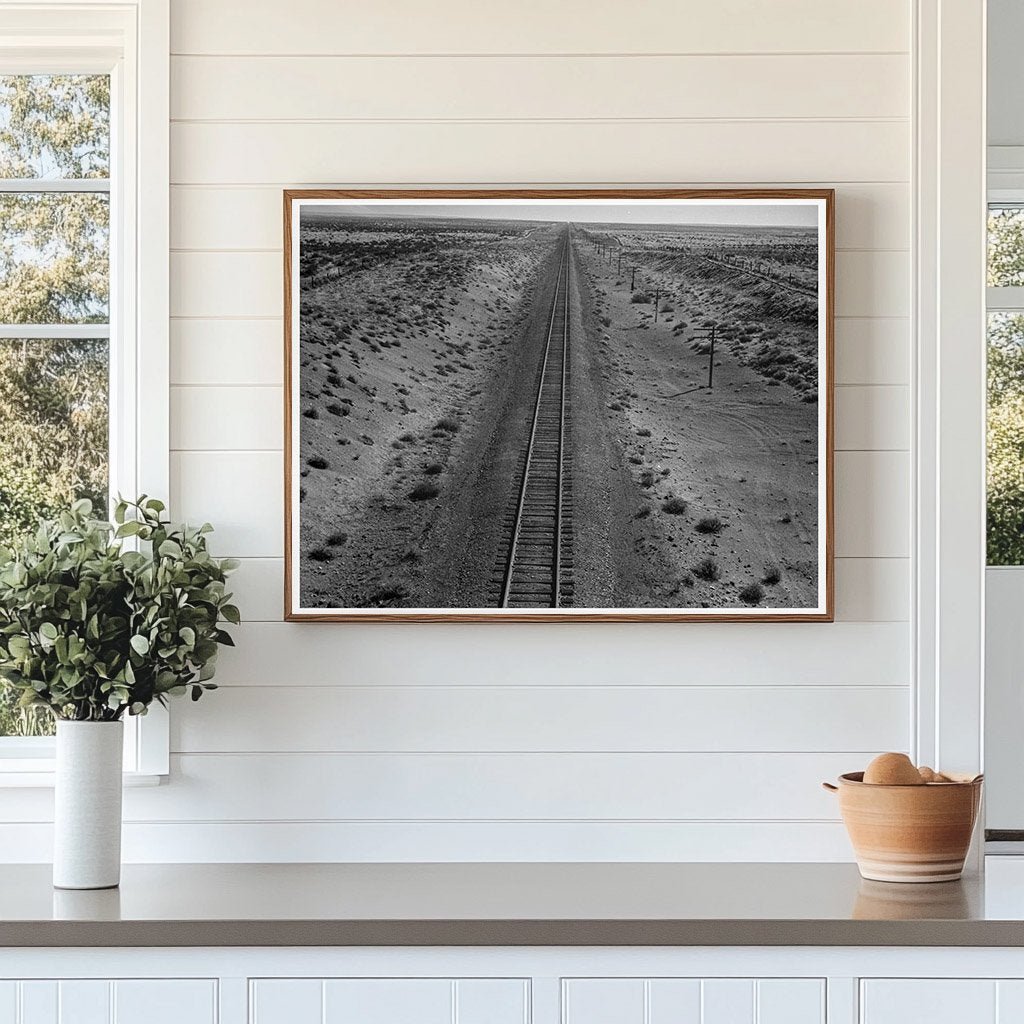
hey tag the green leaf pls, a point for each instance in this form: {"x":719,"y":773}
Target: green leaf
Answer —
{"x":140,"y":644}
{"x":170,"y":549}
{"x":231,"y":613}
{"x":49,"y":631}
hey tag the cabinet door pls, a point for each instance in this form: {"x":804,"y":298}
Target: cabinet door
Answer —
{"x":941,"y":1001}
{"x":388,"y":1000}
{"x":694,"y":1001}
{"x":144,"y":1001}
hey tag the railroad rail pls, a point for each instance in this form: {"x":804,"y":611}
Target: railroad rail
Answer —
{"x":537,"y":570}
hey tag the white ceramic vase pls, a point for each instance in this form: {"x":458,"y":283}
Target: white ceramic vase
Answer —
{"x":87,"y":811}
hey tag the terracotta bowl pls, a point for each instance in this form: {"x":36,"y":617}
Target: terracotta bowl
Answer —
{"x":909,"y":833}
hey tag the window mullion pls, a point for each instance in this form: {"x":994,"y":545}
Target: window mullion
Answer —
{"x":60,"y":332}
{"x":54,"y":185}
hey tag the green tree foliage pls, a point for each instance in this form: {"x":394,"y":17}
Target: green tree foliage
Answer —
{"x":53,"y":269}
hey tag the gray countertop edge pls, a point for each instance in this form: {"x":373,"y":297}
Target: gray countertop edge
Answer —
{"x":510,"y":933}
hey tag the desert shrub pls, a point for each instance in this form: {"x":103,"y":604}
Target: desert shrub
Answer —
{"x":336,"y":540}
{"x":424,"y":492}
{"x":753,"y":593}
{"x":709,"y":524}
{"x":772,"y":575}
{"x":674,"y":507}
{"x":707,"y":569}
{"x":449,"y":425}
{"x":639,"y":298}
{"x":311,"y":414}
{"x":317,"y":463}
{"x":643,"y":433}
{"x":667,"y":307}
{"x":321,"y":555}
{"x":433,"y":469}
{"x":642,"y":513}
{"x":647,"y":479}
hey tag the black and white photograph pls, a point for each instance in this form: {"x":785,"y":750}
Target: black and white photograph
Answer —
{"x":608,"y":406}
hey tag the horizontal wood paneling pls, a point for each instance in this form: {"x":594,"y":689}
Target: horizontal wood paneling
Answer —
{"x":247,"y":284}
{"x":218,"y":352}
{"x":208,"y":418}
{"x":539,"y":88}
{"x":872,"y":216}
{"x":728,"y":152}
{"x":332,"y":841}
{"x":212,"y":417}
{"x":452,"y":786}
{"x":872,"y":504}
{"x":241,"y":492}
{"x":867,"y":589}
{"x":581,"y":654}
{"x":869,"y":350}
{"x":536,"y":26}
{"x":873,"y":418}
{"x":872,"y":350}
{"x":553,"y":718}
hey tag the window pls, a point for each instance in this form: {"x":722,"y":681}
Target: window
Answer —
{"x":54,"y":309}
{"x":84,"y":125}
{"x":1005,"y":486}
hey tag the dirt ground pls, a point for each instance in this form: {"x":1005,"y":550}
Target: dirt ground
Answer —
{"x":420,"y":349}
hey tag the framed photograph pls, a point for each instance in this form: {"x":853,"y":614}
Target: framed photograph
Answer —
{"x":540,"y":405}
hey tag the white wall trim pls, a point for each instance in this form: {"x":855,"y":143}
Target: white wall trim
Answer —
{"x":949,"y":461}
{"x":132,"y":39}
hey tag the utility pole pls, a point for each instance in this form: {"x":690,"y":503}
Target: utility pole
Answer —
{"x":711,"y":359}
{"x":632,"y":281}
{"x":657,"y":296}
{"x":618,"y":269}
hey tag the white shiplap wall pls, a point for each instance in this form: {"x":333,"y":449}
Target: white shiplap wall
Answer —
{"x":571,"y":741}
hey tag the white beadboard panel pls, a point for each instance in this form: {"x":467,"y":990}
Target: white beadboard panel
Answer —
{"x":875,"y":418}
{"x":536,"y":26}
{"x":790,"y":1000}
{"x":219,"y":352}
{"x":250,"y":216}
{"x":872,"y":350}
{"x":873,"y":283}
{"x":492,"y":1001}
{"x":284,"y":88}
{"x":388,"y":1001}
{"x":603,"y":1001}
{"x":8,"y":1002}
{"x":460,"y":787}
{"x":937,"y":1001}
{"x":151,"y":1001}
{"x":85,"y":1002}
{"x":872,"y":502}
{"x":727,"y":1001}
{"x":730,"y":152}
{"x":209,"y":284}
{"x":674,"y":1001}
{"x":211,"y":418}
{"x":286,"y":1001}
{"x":462,"y":842}
{"x":867,"y":589}
{"x":873,"y":589}
{"x":241,"y":493}
{"x":580,"y":654}
{"x":39,"y":1002}
{"x":240,"y":719}
{"x":245,"y":284}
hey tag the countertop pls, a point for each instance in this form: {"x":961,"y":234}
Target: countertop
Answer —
{"x":560,"y":904}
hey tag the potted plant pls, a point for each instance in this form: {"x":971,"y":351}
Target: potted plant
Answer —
{"x":99,"y":620}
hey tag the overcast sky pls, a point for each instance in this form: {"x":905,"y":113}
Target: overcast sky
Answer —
{"x":771,"y":213}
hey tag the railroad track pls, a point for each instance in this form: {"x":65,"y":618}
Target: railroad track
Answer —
{"x":536,"y":569}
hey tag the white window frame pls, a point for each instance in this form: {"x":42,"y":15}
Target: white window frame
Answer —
{"x":130,"y":41}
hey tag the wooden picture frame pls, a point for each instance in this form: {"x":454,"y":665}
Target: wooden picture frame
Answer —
{"x":344,"y":301}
